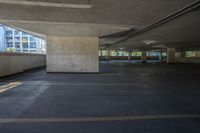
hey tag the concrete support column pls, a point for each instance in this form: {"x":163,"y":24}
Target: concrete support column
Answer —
{"x":108,"y":55}
{"x":72,"y":54}
{"x":101,"y":52}
{"x":129,"y":56}
{"x":160,"y":57}
{"x":198,"y":54}
{"x":183,"y":54}
{"x":144,"y":57}
{"x":171,"y":55}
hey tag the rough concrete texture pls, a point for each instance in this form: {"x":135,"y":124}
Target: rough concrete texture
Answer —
{"x":12,"y":63}
{"x":107,"y":17}
{"x":171,"y":55}
{"x":72,"y":54}
{"x":189,"y":60}
{"x":144,"y":57}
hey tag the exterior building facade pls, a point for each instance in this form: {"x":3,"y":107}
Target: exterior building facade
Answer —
{"x":2,"y":38}
{"x":18,"y":41}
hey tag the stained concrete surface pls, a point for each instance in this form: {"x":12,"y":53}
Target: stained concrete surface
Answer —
{"x":72,"y":54}
{"x":121,"y":89}
{"x":12,"y":63}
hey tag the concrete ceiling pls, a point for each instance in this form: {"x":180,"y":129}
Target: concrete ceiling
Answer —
{"x":181,"y":32}
{"x":106,"y":17}
{"x":68,"y":29}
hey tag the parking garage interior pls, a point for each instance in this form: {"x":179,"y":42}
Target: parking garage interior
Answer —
{"x":110,"y":66}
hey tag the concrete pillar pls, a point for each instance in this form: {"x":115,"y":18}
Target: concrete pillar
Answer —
{"x":101,"y":52}
{"x":183,"y":54}
{"x":171,"y":55}
{"x":129,"y":56}
{"x":144,"y":57}
{"x":72,"y":54}
{"x":160,"y":57}
{"x":108,"y":55}
{"x":198,"y":54}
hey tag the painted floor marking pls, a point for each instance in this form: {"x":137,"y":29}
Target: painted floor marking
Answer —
{"x":85,"y":84}
{"x":99,"y":119}
{"x":7,"y":86}
{"x":73,"y":84}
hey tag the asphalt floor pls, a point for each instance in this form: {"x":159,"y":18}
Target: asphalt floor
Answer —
{"x":125,"y":97}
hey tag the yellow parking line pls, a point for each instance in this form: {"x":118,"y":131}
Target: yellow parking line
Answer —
{"x":98,"y":119}
{"x":8,"y":86}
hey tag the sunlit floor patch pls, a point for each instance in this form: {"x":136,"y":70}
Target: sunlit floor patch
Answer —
{"x":99,"y":119}
{"x":7,"y":86}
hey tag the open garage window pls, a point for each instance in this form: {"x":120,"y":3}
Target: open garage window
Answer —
{"x":136,"y":54}
{"x":13,"y":40}
{"x":193,"y":54}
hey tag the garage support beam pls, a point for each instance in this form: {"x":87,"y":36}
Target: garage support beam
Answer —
{"x":183,"y":54}
{"x":129,"y":56}
{"x":144,"y":57}
{"x":108,"y":55}
{"x":160,"y":56}
{"x":72,"y":54}
{"x":171,"y":55}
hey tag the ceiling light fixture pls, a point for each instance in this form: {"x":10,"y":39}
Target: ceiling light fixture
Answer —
{"x":148,"y":42}
{"x":121,"y":48}
{"x":159,"y":46}
{"x":47,"y":4}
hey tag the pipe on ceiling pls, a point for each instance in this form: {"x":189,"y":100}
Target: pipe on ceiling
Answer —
{"x":178,"y":13}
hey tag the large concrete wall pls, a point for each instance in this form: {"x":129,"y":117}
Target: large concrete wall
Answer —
{"x":188,"y":60}
{"x":72,"y":54}
{"x":12,"y":63}
{"x":171,"y":53}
